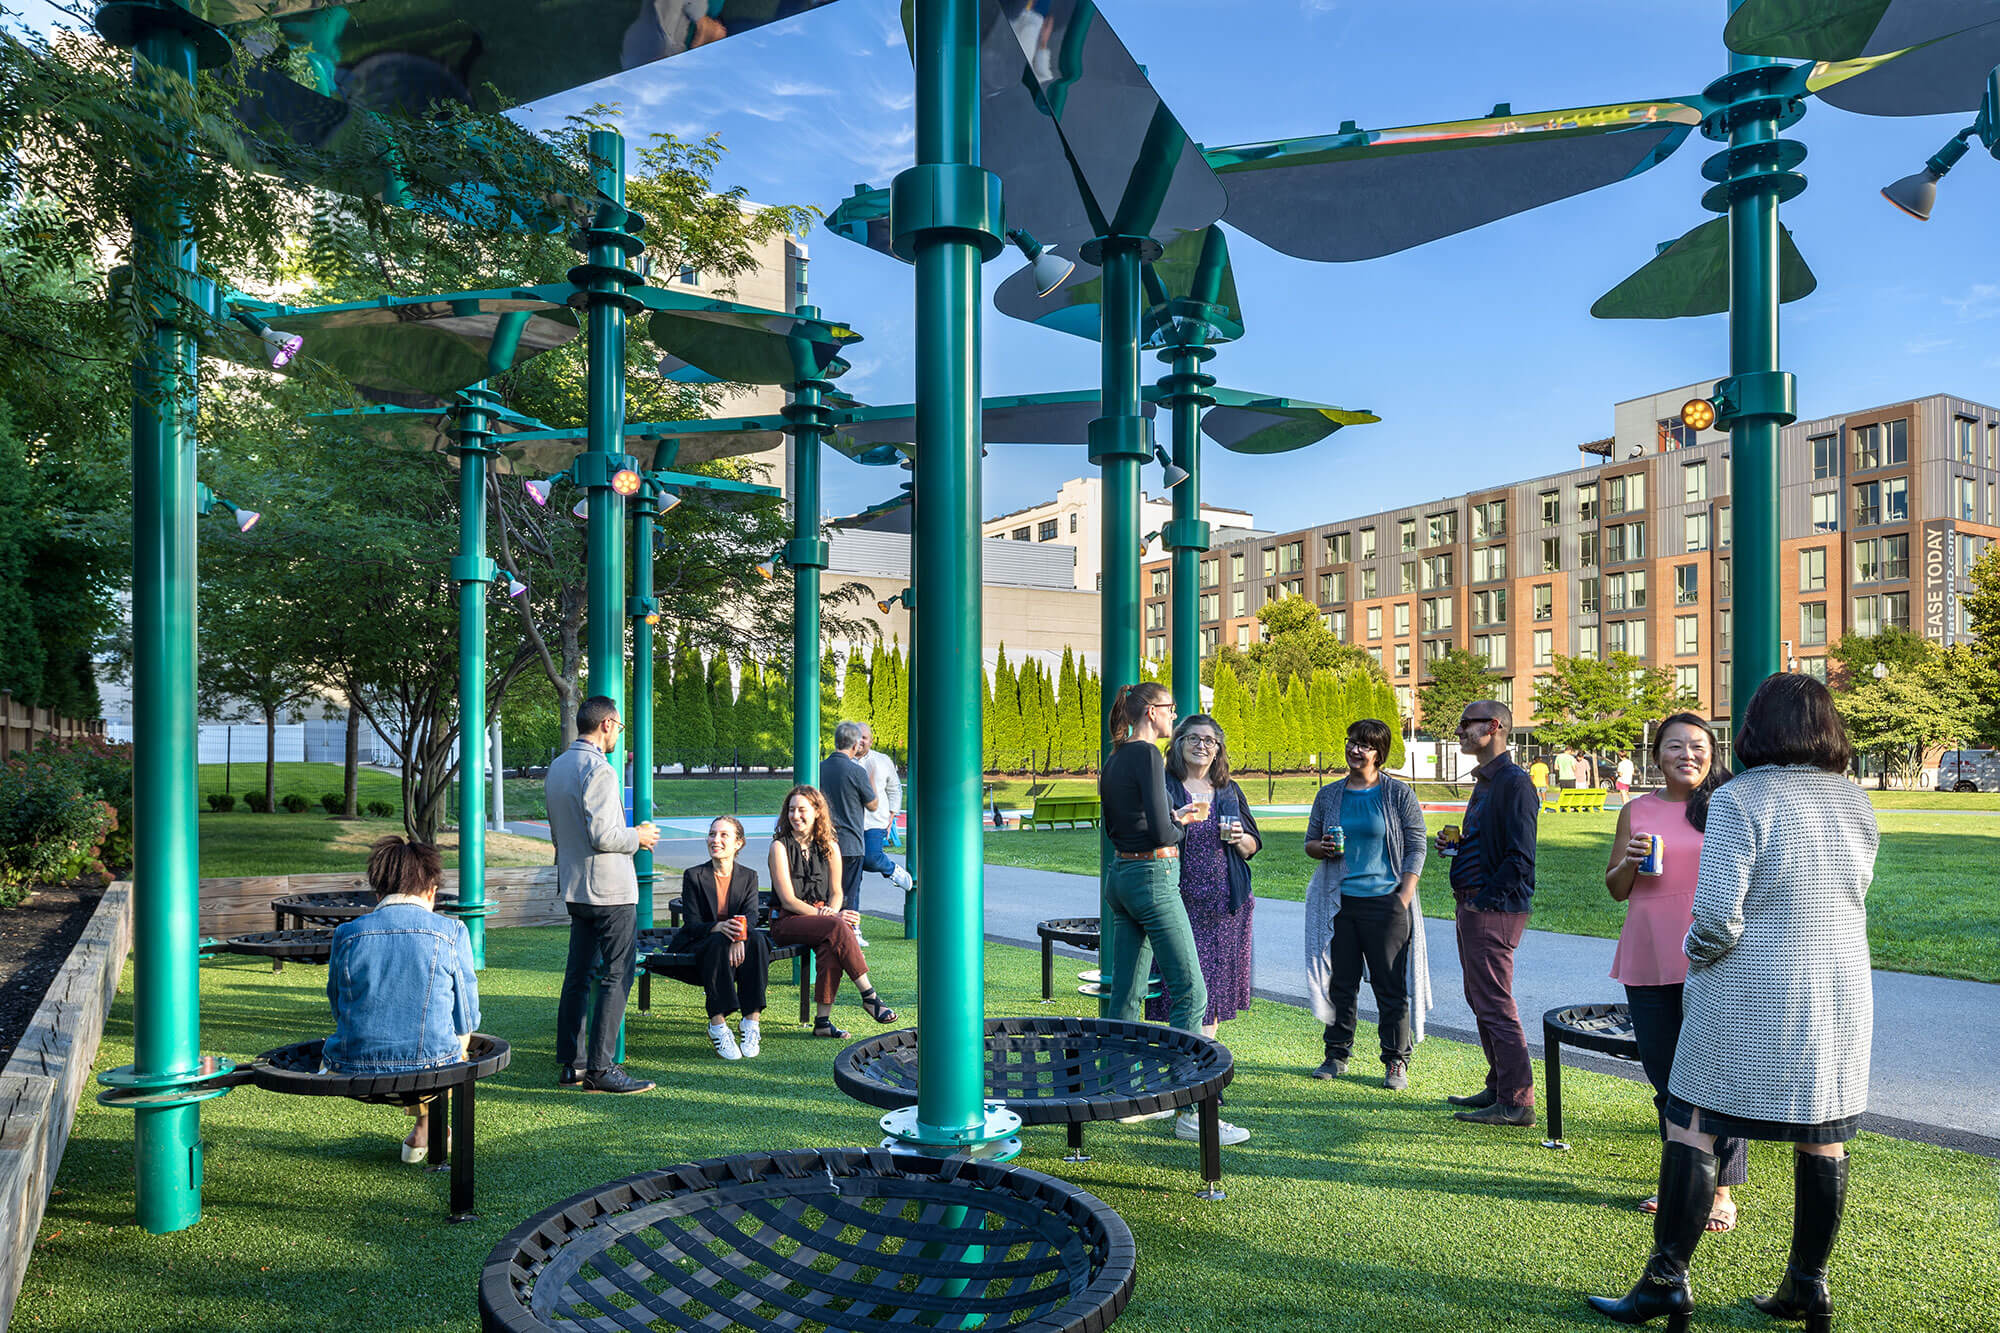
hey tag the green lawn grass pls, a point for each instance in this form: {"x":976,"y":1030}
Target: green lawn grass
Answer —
{"x":1933,"y":907}
{"x":308,"y":780}
{"x":1351,"y":1208}
{"x":286,"y":844}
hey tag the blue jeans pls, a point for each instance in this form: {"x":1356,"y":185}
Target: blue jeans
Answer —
{"x":1148,"y":916}
{"x":1656,"y":1026}
{"x":874,"y":858}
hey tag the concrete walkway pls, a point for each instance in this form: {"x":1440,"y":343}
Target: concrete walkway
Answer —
{"x":1935,"y":1068}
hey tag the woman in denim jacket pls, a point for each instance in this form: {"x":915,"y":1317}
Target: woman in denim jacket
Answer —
{"x":400,"y":980}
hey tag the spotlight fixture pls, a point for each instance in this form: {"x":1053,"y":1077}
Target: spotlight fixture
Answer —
{"x":207,"y":502}
{"x":1051,"y":269}
{"x":625,"y":481}
{"x":905,"y":599}
{"x":281,"y":346}
{"x":1698,"y":413}
{"x":1916,"y":194}
{"x":581,"y":508}
{"x":1147,"y":540}
{"x":514,"y":586}
{"x":670,"y":499}
{"x":539,"y":489}
{"x":1175,"y":473}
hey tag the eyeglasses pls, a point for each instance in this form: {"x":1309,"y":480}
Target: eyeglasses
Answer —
{"x":1472,"y":723}
{"x":1201,"y":742}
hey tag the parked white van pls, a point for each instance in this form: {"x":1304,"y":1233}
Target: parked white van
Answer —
{"x":1969,"y":770}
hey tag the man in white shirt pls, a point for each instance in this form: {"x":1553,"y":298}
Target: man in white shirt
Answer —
{"x":882,"y":819}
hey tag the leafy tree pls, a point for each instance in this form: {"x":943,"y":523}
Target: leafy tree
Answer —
{"x":855,"y":702}
{"x":750,"y":712}
{"x":693,"y":723}
{"x":1267,"y":726}
{"x":1294,"y":641}
{"x":251,"y":658}
{"x":1915,"y":709}
{"x":1458,"y":678}
{"x":989,"y":752}
{"x":1852,"y":659}
{"x":1007,"y":739}
{"x":721,"y":706}
{"x":1329,"y":717}
{"x":829,"y":702}
{"x":1071,"y":745}
{"x":1093,"y":711}
{"x":1226,"y":706}
{"x":1390,"y":711}
{"x":1603,"y":705}
{"x":1298,"y":724}
{"x":1981,"y":600}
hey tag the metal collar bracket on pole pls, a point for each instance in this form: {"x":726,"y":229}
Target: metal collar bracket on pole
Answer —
{"x":1185,"y":535}
{"x":1120,"y":437}
{"x":639,"y":608}
{"x":952,"y":197}
{"x":1093,"y":250}
{"x":1763,"y":92}
{"x":1186,"y":386}
{"x":996,"y":1138}
{"x":606,"y":282}
{"x":594,"y":470}
{"x":127,"y":1088}
{"x":474,"y":569}
{"x":804,"y":553}
{"x":126,"y":23}
{"x":1764,"y":395}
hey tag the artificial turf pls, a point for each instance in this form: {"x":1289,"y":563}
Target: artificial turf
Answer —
{"x":1934,"y":906}
{"x":1350,"y":1208}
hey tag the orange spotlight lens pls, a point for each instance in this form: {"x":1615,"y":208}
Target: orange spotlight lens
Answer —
{"x":1698,"y":413}
{"x":625,"y":481}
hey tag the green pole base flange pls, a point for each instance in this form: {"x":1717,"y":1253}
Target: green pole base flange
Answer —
{"x":1185,"y":535}
{"x":996,"y":1138}
{"x":473,"y":569}
{"x":126,"y":1088}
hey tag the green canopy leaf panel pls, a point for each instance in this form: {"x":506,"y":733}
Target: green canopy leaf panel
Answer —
{"x":418,"y":429}
{"x":1691,"y":277}
{"x":1251,"y":423}
{"x":739,"y":344}
{"x":1844,"y":29}
{"x":1190,"y":295}
{"x":658,"y":445}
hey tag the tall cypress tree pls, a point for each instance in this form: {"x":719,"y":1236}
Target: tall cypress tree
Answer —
{"x":721,"y":708}
{"x":1329,"y":718}
{"x":1267,"y":729}
{"x":1067,"y":741}
{"x":1298,"y":724}
{"x":1226,"y":707}
{"x":1006,"y":714}
{"x":892,"y":702}
{"x":1392,"y":713}
{"x":1361,"y":701}
{"x":776,"y":732}
{"x":696,"y":727}
{"x":829,"y":702}
{"x":989,"y":754}
{"x":856,"y":702}
{"x":1093,"y":720}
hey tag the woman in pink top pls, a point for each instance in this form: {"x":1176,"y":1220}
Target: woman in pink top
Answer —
{"x":1658,"y":911}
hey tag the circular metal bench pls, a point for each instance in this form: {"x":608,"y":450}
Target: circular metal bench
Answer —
{"x":836,"y":1239}
{"x":1067,"y":1071}
{"x":1604,"y":1028}
{"x":285,"y":946}
{"x":1077,"y":931}
{"x":324,"y":911}
{"x":655,"y":957}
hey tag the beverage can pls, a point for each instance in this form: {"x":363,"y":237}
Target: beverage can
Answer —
{"x":1339,"y":840}
{"x":1448,"y":836}
{"x":1656,"y":859}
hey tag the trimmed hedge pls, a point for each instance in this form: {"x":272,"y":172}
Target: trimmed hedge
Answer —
{"x":221,"y":802}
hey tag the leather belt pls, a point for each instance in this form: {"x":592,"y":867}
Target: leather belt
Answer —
{"x":1157,"y":854}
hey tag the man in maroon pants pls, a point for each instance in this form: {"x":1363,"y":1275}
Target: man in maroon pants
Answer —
{"x":1493,"y":881}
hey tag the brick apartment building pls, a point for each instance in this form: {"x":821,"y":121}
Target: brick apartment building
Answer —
{"x":1884,"y":511}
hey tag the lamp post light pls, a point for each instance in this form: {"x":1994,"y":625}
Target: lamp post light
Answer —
{"x":1917,"y":194}
{"x":206,"y":502}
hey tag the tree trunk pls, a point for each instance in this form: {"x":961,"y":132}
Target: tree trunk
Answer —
{"x":270,"y":760}
{"x":350,"y":778}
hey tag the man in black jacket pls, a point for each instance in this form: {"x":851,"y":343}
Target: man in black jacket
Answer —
{"x":1493,"y":882}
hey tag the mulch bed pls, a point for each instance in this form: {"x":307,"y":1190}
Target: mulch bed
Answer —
{"x":35,"y":938}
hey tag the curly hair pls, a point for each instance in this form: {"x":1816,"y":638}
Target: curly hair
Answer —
{"x":396,"y":865}
{"x":822,"y":829}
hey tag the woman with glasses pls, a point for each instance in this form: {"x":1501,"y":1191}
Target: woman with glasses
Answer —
{"x":1214,"y":883}
{"x":1146,"y":832}
{"x":1367,"y":833}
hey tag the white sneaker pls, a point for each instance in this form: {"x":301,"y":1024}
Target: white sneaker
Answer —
{"x":1142,"y":1119}
{"x":753,"y":1038}
{"x":724,"y":1041}
{"x":901,"y":879}
{"x":859,"y":938}
{"x":1189,"y":1127}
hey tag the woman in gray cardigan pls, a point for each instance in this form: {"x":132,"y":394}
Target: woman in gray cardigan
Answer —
{"x":1778,"y":1007}
{"x":1362,"y":907}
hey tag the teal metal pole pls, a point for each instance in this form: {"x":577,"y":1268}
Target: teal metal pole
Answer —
{"x":474,"y":572}
{"x":166,"y":1009}
{"x":603,"y":280}
{"x":945,"y":216}
{"x":1119,"y":444}
{"x":642,"y":609}
{"x":807,"y":421}
{"x":1187,"y":536}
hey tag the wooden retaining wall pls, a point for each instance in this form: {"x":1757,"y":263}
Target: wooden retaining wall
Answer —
{"x":48,"y":1074}
{"x":517,"y":895}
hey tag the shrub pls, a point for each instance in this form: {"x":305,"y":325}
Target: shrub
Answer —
{"x":51,"y":829}
{"x":255,"y":800}
{"x":295,"y":803}
{"x":103,"y":770}
{"x":332,"y":802}
{"x":221,"y":802}
{"x":381,"y":810}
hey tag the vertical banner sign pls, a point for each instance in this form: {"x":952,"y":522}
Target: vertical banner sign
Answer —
{"x":1937,"y":585}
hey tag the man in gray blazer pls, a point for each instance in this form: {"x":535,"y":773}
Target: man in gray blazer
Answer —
{"x":594,"y":850}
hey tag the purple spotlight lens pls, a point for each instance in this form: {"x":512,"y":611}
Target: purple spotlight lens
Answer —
{"x":515,"y":587}
{"x":284,"y":346}
{"x":246,"y":519}
{"x":538,"y":491}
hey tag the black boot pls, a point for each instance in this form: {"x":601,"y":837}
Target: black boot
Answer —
{"x":1819,"y":1197}
{"x":1687,"y":1192}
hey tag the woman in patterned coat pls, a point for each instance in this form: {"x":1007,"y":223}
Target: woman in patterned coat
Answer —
{"x":1779,"y":1006}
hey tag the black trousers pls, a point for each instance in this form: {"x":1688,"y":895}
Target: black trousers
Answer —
{"x":1656,"y":1027}
{"x":850,"y":879}
{"x":730,"y":989}
{"x":1375,"y":931}
{"x":600,"y":970}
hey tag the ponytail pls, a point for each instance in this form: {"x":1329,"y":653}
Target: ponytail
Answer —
{"x":396,"y":865}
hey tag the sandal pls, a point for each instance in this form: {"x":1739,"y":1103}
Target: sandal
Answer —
{"x":823,"y":1027}
{"x":871,"y":1004}
{"x":1722,"y":1217}
{"x":1651,"y":1204}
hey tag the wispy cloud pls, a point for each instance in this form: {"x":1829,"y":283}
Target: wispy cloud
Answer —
{"x":1979,"y":301}
{"x":795,"y":88}
{"x":1926,"y":346}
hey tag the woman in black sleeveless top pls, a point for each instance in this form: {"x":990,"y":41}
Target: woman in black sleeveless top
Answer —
{"x":805,"y":880}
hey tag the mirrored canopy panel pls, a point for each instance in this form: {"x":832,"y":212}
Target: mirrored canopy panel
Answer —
{"x":1844,"y":29}
{"x":1253,"y":423}
{"x":879,"y":435}
{"x":746,"y":345}
{"x":1194,"y":269}
{"x":1691,"y":277}
{"x":417,"y":429}
{"x":891,"y":516}
{"x":656,"y":444}
{"x":224,"y":13}
{"x":1083,"y":143}
{"x":1361,"y":194}
{"x":408,"y":351}
{"x":863,"y":217}
{"x":403,"y":55}
{"x":1946,"y":74}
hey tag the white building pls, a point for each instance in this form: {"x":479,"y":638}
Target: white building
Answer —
{"x":1074,"y":518}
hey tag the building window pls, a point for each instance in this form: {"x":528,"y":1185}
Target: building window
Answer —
{"x":1401,"y":619}
{"x":1020,"y":534}
{"x":1156,"y":615}
{"x":1881,"y":558}
{"x":1268,"y":595}
{"x":1211,"y":606}
{"x":1814,"y":667}
{"x":1624,"y":541}
{"x":1626,"y":494}
{"x":1236,"y":567}
{"x":1442,"y":529}
{"x":1552,"y":557}
{"x":1489,"y":563}
{"x":1211,"y":571}
{"x":1812,"y":570}
{"x":1552,"y":509}
{"x":1687,"y":584}
{"x":1825,"y":511}
{"x":1725,"y":526}
{"x":1675,"y":434}
{"x":1209,"y":638}
{"x":1882,"y":445}
{"x":1968,"y":498}
{"x":1159,"y":582}
{"x":1490,"y":607}
{"x":1490,"y":648}
{"x":1587,"y":640}
{"x":1072,"y":522}
{"x":1434,"y":649}
{"x":1437,"y":571}
{"x":1367,"y":543}
{"x":1270,"y":561}
{"x":1586,"y":596}
{"x":1965,"y":435}
{"x":1333,"y":587}
{"x":1242,"y":638}
{"x":1586,"y":502}
{"x":1291,"y":557}
{"x":1338,"y":546}
{"x":1489,"y":520}
{"x":1687,"y":635}
{"x":1046,"y":530}
{"x":1436,"y":616}
{"x":1993,"y":444}
{"x":1825,"y":456}
{"x":1725,"y":622}
{"x":1292,"y":588}
{"x":1694,"y":532}
{"x":689,"y":276}
{"x":1879,"y":611}
{"x":1545,"y":647}
{"x":1337,"y":622}
{"x":1896,"y":500}
{"x":1402,"y":659}
{"x":1406,"y":534}
{"x":1236,"y":607}
{"x":1812,"y":623}
{"x":1374,"y":622}
{"x":1626,"y":636}
{"x":1406,"y":576}
{"x":1687,"y":681}
{"x":1545,"y":601}
{"x":1694,"y":482}
{"x":1586,"y":549}
{"x":1625,"y":592}
{"x":1368,"y":581}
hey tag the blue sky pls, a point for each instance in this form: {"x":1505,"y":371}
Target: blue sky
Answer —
{"x":1477,"y":351}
